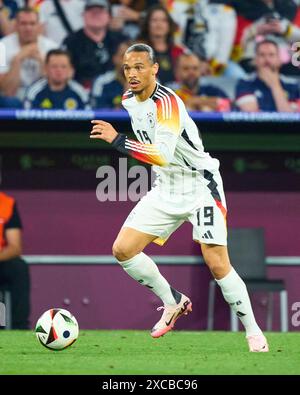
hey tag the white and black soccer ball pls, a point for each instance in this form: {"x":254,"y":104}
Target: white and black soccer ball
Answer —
{"x":57,"y":329}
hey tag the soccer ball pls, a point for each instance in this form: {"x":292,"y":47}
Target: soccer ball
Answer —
{"x":57,"y":329}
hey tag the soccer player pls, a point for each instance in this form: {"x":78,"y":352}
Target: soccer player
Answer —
{"x":188,"y":187}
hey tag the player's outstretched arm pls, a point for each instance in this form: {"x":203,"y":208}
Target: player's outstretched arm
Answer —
{"x":154,"y":154}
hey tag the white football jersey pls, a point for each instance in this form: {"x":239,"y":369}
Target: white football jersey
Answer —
{"x":167,"y":137}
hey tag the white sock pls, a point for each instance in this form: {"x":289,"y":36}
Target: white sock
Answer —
{"x":235,"y":293}
{"x":142,"y":268}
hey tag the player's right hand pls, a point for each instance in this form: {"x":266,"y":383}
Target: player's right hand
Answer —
{"x":103,"y":130}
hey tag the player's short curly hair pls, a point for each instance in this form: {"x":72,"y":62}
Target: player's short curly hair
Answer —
{"x":140,"y":47}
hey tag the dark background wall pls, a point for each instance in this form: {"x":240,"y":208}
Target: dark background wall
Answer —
{"x":75,"y":222}
{"x":103,"y":296}
{"x":50,"y":167}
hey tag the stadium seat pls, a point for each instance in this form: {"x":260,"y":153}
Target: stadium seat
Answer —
{"x":247,"y":254}
{"x":5,"y":297}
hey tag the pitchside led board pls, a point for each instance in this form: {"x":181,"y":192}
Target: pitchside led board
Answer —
{"x":51,"y":149}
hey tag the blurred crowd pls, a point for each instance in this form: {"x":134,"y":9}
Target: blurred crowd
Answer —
{"x":218,"y":55}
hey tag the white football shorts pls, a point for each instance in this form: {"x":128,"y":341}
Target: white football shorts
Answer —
{"x":160,"y":214}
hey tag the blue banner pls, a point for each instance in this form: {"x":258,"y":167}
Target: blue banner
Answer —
{"x":120,"y":115}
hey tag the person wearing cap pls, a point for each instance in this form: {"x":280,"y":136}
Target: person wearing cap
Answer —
{"x":93,"y":46}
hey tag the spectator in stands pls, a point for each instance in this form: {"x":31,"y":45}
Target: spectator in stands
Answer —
{"x":14,"y":272}
{"x":8,"y":11}
{"x":25,"y":51}
{"x":158,"y":31}
{"x":267,"y":90}
{"x":108,"y":89}
{"x":57,"y":90}
{"x":126,"y":16}
{"x":93,"y":46}
{"x":278,"y":20}
{"x":60,"y":18}
{"x":195,"y":96}
{"x":208,"y":29}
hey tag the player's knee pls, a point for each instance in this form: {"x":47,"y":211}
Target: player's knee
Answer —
{"x":215,"y":262}
{"x":121,"y":252}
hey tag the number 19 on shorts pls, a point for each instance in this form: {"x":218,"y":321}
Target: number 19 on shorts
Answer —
{"x":205,"y":216}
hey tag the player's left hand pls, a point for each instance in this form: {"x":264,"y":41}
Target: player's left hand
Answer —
{"x":103,"y":130}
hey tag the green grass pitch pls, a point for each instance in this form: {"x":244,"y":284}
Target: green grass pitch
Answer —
{"x":135,"y":352}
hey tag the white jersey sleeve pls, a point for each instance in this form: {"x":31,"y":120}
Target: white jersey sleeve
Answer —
{"x":163,"y":109}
